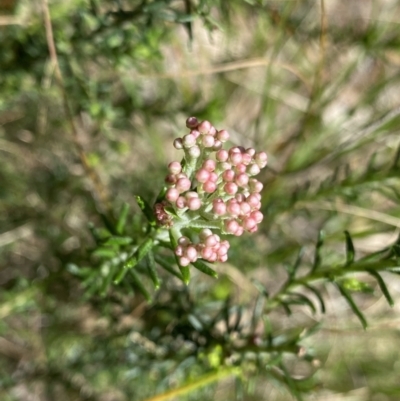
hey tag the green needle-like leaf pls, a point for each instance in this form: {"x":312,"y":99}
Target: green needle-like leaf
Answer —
{"x":151,"y":267}
{"x":146,"y":209}
{"x":350,"y":252}
{"x":382,"y":286}
{"x":318,"y":295}
{"x":122,"y":218}
{"x":204,"y":268}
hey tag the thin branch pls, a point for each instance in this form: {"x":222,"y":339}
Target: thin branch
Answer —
{"x":99,"y":191}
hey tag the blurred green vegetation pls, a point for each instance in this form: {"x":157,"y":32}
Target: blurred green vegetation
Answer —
{"x":315,"y":84}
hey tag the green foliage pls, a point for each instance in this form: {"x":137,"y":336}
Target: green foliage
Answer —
{"x":93,"y":304}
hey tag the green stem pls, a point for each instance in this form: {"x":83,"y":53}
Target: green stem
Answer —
{"x":200,"y":382}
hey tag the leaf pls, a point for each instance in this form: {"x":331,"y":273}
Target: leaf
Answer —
{"x":352,"y":304}
{"x":139,"y":284}
{"x":349,"y":249}
{"x":382,"y":286}
{"x":122,"y":218}
{"x":185,"y":271}
{"x":318,"y":295}
{"x":168,"y":266}
{"x":140,"y":253}
{"x":118,"y":241}
{"x":302,"y":300}
{"x":204,"y":268}
{"x":151,"y":267}
{"x":317,"y":256}
{"x":146,"y":209}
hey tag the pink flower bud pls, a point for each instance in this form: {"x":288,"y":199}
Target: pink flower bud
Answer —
{"x":242,"y":180}
{"x":183,"y":261}
{"x":184,"y":241}
{"x":174,"y":167}
{"x":240,"y":168}
{"x":219,"y":207}
{"x":206,"y":253}
{"x":225,"y":166}
{"x":217,"y":145}
{"x":253,"y":169}
{"x":181,"y":202}
{"x":172,"y":195}
{"x":208,"y":141}
{"x":223,"y":135}
{"x":231,"y":226}
{"x":178,"y":143}
{"x":230,"y":188}
{"x":202,"y":175}
{"x":261,"y":159}
{"x":192,"y":122}
{"x":204,"y":233}
{"x":188,"y":141}
{"x":235,"y":158}
{"x":248,"y":223}
{"x":240,"y":198}
{"x":213,"y":257}
{"x":191,"y":194}
{"x":195,"y":133}
{"x":209,"y":165}
{"x":194,"y":152}
{"x":191,"y":253}
{"x":233,"y":207}
{"x":171,"y":179}
{"x":255,"y":186}
{"x":222,"y":155}
{"x":212,"y":131}
{"x":228,"y":175}
{"x":183,"y":184}
{"x":223,"y":258}
{"x":209,"y":187}
{"x":194,"y":203}
{"x":179,"y":250}
{"x":251,"y":152}
{"x":257,"y":216}
{"x":204,"y":127}
{"x":246,"y":159}
{"x":222,"y":250}
{"x":213,"y":177}
{"x":253,"y":201}
{"x":245,"y":208}
{"x":211,"y":241}
{"x":239,"y":231}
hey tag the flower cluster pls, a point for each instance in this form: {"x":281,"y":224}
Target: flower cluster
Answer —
{"x":212,"y":188}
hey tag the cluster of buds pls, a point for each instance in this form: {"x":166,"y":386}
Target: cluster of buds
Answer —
{"x":212,"y":188}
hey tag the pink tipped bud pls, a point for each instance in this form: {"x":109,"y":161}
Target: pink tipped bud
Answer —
{"x":251,"y":151}
{"x":178,"y":143}
{"x":195,"y":133}
{"x":191,"y":194}
{"x":246,"y":159}
{"x":183,"y":261}
{"x":217,"y":145}
{"x":255,"y":186}
{"x":184,"y":241}
{"x":213,"y":177}
{"x":213,"y":257}
{"x":191,"y":253}
{"x":202,"y":175}
{"x":212,"y":131}
{"x":209,"y":165}
{"x":230,"y":188}
{"x":174,"y":167}
{"x":225,"y":243}
{"x":183,"y":184}
{"x":231,"y":226}
{"x":194,"y":203}
{"x":211,"y":241}
{"x":223,"y":135}
{"x":222,"y":250}
{"x":204,"y":233}
{"x":181,"y":202}
{"x":261,"y":159}
{"x":188,"y":141}
{"x":228,"y":175}
{"x":240,"y":168}
{"x":171,"y":179}
{"x":245,"y":208}
{"x":206,"y":253}
{"x":242,"y":180}
{"x":208,"y":141}
{"x":240,"y":198}
{"x":209,"y":187}
{"x":219,"y":207}
{"x":239,"y":231}
{"x":194,"y":152}
{"x":233,"y":207}
{"x":192,"y":122}
{"x":179,"y":250}
{"x":253,"y":169}
{"x":172,"y":195}
{"x":204,"y":127}
{"x":235,"y":158}
{"x":253,"y":201}
{"x":223,"y":258}
{"x":257,"y":216}
{"x":222,"y":155}
{"x":248,"y":223}
{"x":225,"y":166}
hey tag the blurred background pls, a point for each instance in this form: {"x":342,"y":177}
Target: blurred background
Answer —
{"x":313,"y":83}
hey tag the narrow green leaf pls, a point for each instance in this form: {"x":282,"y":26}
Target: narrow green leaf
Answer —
{"x":185,"y":271}
{"x":318,"y":295}
{"x":118,"y":241}
{"x":286,"y":307}
{"x":382,"y":286}
{"x":107,"y":280}
{"x":140,"y":253}
{"x":349,"y":249}
{"x":151,"y":267}
{"x":204,"y":268}
{"x":352,"y":304}
{"x":167,"y":265}
{"x":317,"y":256}
{"x":122,"y":218}
{"x":139,"y":284}
{"x":105,"y":253}
{"x":303,"y":300}
{"x":146,"y":209}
